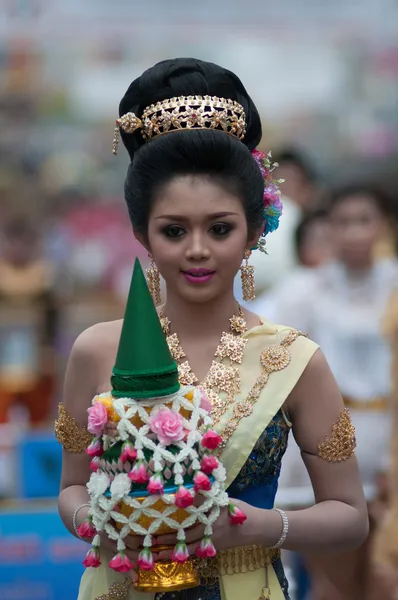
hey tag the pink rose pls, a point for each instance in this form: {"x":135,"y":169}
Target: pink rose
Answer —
{"x":183,"y":498}
{"x":120,"y":563}
{"x":95,"y":448}
{"x":168,"y":426}
{"x":92,"y":558}
{"x":211,"y":439}
{"x":236,"y":515}
{"x":95,"y":464}
{"x":201,"y":482}
{"x":180,"y":553}
{"x":155,"y":485}
{"x":205,"y":402}
{"x":206,"y":548}
{"x":208,"y":464}
{"x":129,"y":453}
{"x":139,"y":473}
{"x":145,"y":560}
{"x":87,"y":529}
{"x":97,"y":418}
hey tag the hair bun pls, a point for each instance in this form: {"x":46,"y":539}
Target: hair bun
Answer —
{"x":185,"y":77}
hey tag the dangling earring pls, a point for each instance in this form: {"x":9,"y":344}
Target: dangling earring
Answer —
{"x":247,"y":278}
{"x":153,"y":276}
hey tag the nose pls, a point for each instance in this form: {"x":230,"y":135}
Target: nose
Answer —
{"x":197,"y":248}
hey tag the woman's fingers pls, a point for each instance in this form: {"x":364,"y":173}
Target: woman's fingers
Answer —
{"x":134,"y":542}
{"x":191,"y":535}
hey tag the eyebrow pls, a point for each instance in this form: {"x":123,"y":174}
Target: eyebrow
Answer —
{"x":219,"y":215}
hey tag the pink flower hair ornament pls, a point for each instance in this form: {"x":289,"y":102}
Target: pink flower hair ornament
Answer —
{"x":272,"y":201}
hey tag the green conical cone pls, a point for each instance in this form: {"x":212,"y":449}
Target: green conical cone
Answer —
{"x":144,"y":366}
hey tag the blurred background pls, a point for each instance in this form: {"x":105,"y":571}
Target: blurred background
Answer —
{"x":324,"y":76}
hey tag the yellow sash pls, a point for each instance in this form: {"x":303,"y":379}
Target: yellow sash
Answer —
{"x":96,"y":582}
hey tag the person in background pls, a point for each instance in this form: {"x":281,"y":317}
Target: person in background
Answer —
{"x":341,"y":305}
{"x":313,"y":247}
{"x":28,"y":322}
{"x":300,"y":178}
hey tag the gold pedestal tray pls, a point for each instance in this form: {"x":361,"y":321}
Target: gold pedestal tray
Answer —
{"x":168,"y":576}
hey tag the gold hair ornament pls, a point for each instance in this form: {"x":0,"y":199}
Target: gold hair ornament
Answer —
{"x":184,"y":112}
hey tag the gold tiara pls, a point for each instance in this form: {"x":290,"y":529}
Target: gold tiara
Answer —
{"x":184,"y":112}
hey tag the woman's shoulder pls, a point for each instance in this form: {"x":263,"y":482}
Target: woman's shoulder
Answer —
{"x":283,"y":337}
{"x":96,"y":346}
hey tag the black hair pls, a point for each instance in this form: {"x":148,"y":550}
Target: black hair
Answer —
{"x":297,"y":158}
{"x":381,"y":199}
{"x":212,"y":153}
{"x":305,"y":225}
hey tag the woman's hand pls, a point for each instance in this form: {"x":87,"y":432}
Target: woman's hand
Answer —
{"x":224,"y":534}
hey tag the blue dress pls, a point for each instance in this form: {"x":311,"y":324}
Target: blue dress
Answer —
{"x":256,"y":484}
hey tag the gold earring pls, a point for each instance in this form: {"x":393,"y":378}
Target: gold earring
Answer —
{"x":247,"y":278}
{"x":153,"y":276}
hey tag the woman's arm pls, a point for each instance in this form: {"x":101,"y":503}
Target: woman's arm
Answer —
{"x":79,"y":388}
{"x":339,"y":519}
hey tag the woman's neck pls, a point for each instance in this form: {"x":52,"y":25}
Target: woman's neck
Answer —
{"x":200,"y":319}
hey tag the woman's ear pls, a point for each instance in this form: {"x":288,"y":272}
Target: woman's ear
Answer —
{"x":253,"y":237}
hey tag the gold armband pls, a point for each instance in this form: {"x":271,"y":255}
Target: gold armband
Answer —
{"x":73,"y":438}
{"x":341,"y":444}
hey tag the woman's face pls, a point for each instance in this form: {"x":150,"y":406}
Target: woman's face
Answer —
{"x":356,"y":226}
{"x":197,"y":235}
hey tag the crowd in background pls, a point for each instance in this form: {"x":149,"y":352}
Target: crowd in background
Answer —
{"x":325,"y":80}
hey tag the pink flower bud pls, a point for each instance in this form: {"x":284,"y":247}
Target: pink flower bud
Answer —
{"x":205,"y":402}
{"x":145,"y":560}
{"x":206,"y":548}
{"x":201,"y":482}
{"x":128,"y":452}
{"x":87,"y":529}
{"x":183,"y":497}
{"x":155,"y":485}
{"x":95,"y":464}
{"x":120,"y":563}
{"x":138,"y":473}
{"x":236,"y":515}
{"x":180,"y":553}
{"x":208,"y":464}
{"x":95,"y":448}
{"x":92,"y":558}
{"x":211,"y":439}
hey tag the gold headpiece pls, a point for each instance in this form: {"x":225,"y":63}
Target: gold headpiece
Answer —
{"x":185,"y":112}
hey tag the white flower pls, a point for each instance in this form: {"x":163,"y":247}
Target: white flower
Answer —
{"x":120,"y":486}
{"x":98,"y":484}
{"x":220,"y":473}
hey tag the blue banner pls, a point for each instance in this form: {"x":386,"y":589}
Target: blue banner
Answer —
{"x":39,"y":558}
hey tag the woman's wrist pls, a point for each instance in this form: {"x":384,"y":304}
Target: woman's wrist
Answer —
{"x":264,"y":527}
{"x":79,"y":516}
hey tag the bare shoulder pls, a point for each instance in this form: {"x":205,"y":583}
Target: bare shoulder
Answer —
{"x":315,"y":388}
{"x":98,"y":338}
{"x":90,"y":366}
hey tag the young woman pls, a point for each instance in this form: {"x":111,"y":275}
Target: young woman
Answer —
{"x":341,"y":306}
{"x":195,"y":195}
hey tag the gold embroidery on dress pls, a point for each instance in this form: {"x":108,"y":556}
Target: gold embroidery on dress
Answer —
{"x":274,"y":358}
{"x":341,"y":444}
{"x":242,"y":559}
{"x":73,"y":438}
{"x":117,"y":591}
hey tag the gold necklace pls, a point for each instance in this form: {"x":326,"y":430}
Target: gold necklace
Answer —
{"x":222,"y":382}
